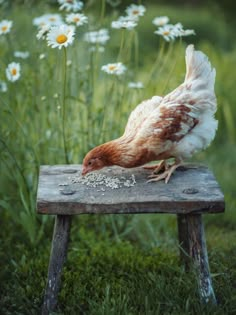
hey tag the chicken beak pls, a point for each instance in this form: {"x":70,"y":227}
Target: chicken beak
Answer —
{"x":84,"y":171}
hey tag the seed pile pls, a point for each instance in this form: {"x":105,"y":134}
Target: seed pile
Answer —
{"x":97,"y":179}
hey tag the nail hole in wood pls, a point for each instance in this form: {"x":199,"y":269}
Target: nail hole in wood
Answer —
{"x":67,"y":191}
{"x":69,"y":171}
{"x":190,"y":191}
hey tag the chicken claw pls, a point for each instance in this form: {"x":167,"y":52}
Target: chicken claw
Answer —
{"x":166,"y":174}
{"x":157,"y":168}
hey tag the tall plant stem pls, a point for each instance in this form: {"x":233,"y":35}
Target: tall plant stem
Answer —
{"x":122,"y":41}
{"x":136,"y":50}
{"x":22,"y":129}
{"x":90,"y":135}
{"x":16,"y":164}
{"x":107,"y":101}
{"x":103,"y":9}
{"x":157,"y":62}
{"x":64,"y":107}
{"x":172,"y":68}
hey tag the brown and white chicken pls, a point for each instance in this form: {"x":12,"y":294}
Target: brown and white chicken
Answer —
{"x":175,"y":126}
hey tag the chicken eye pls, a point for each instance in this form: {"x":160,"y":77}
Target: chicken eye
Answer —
{"x":89,"y":163}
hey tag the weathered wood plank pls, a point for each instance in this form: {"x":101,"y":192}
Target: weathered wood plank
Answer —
{"x":184,"y":246}
{"x":192,"y":239}
{"x":190,"y":190}
{"x":57,"y":259}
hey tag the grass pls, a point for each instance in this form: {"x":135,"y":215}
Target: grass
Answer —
{"x":103,"y":276}
{"x":133,"y":269}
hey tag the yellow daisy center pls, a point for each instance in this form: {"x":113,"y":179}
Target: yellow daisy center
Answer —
{"x":166,"y":33}
{"x":135,"y":12}
{"x":62,"y":38}
{"x":112,"y":67}
{"x":76,"y":19}
{"x":4,"y":28}
{"x":13,"y":71}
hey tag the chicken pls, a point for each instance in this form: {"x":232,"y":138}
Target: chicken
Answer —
{"x":174,"y":126}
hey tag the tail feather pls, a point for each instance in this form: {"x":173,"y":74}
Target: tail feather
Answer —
{"x":199,"y":67}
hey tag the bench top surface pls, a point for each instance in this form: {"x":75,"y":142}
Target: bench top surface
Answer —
{"x":62,"y":190}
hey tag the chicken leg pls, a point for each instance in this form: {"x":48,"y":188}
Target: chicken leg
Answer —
{"x":157,"y":168}
{"x":169,"y":170}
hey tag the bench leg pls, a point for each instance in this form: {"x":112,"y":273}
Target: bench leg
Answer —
{"x":57,"y":259}
{"x":193,"y":248}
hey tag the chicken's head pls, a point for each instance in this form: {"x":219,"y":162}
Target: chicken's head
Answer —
{"x":92,"y":164}
{"x":94,"y":160}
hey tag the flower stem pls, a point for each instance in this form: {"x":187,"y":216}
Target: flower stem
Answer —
{"x":172,"y":68}
{"x":156,"y":63}
{"x":12,"y":156}
{"x":90,"y":117}
{"x":108,"y":99}
{"x":122,"y":41}
{"x":64,"y":107}
{"x":103,"y":9}
{"x":136,"y":50}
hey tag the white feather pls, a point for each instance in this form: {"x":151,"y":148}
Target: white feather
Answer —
{"x":198,"y":66}
{"x":139,"y":114}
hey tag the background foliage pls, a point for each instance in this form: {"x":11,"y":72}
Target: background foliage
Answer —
{"x":122,"y":264}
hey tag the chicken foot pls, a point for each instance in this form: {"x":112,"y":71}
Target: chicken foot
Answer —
{"x":169,"y":170}
{"x":157,"y":168}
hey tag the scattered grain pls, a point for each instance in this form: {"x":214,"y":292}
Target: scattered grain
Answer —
{"x":94,"y":180}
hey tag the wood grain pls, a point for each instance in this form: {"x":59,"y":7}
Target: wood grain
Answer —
{"x":57,"y":258}
{"x":193,"y":243}
{"x":190,"y":190}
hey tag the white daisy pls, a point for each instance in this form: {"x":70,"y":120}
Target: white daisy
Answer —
{"x":3,"y":86}
{"x":13,"y":71}
{"x":21,"y":54}
{"x":178,"y":27}
{"x":187,"y":32}
{"x":70,"y":5}
{"x":168,"y":32}
{"x":124,"y":23}
{"x":42,"y":33}
{"x":160,"y":21}
{"x":39,"y":21}
{"x":61,"y":36}
{"x":77,"y":18}
{"x":179,"y":30}
{"x":5,"y":26}
{"x":53,"y":19}
{"x":135,"y":85}
{"x":114,"y":68}
{"x":134,"y":11}
{"x":97,"y":37}
{"x":48,"y":19}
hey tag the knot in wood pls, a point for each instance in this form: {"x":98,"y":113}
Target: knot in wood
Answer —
{"x":69,"y":171}
{"x":67,"y":191}
{"x":190,"y":191}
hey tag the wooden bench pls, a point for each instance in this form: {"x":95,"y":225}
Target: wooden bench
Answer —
{"x":191,"y":192}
